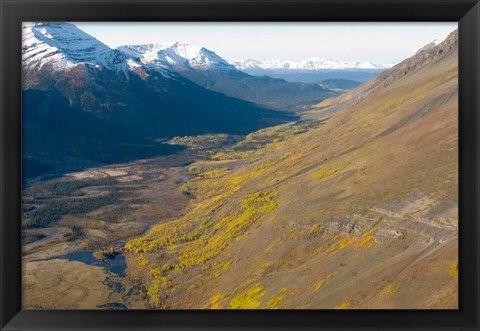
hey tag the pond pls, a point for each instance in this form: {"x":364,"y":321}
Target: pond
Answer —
{"x":116,"y":265}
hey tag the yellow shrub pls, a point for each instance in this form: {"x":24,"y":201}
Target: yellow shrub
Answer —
{"x":322,"y":282}
{"x":143,"y":262}
{"x":248,"y":299}
{"x":214,"y":173}
{"x":321,"y":173}
{"x":160,"y":271}
{"x":454,"y":269}
{"x":342,"y":244}
{"x":343,"y":305}
{"x":276,"y":299}
{"x":390,"y":290}
{"x":319,"y":285}
{"x":366,"y":239}
{"x":216,"y":301}
{"x":156,"y":272}
{"x":220,"y":268}
{"x":157,"y":292}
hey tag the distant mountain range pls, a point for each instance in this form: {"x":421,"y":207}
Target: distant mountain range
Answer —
{"x":209,"y":70}
{"x":311,"y":70}
{"x":312,"y":64}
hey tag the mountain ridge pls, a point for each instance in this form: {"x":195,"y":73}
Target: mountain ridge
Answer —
{"x":176,"y":54}
{"x":64,"y":46}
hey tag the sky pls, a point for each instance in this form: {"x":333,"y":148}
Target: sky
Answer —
{"x":380,"y":42}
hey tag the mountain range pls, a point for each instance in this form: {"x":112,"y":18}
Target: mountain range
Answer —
{"x":312,"y":64}
{"x":209,"y":70}
{"x":84,"y":102}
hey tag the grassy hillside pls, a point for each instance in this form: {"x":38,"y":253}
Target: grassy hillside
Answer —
{"x":356,"y":209}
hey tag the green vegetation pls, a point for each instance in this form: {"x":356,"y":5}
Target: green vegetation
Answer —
{"x":67,"y":187}
{"x":46,"y":202}
{"x":118,"y":212}
{"x":75,"y":233}
{"x":52,"y":210}
{"x":205,"y":142}
{"x":106,"y":253}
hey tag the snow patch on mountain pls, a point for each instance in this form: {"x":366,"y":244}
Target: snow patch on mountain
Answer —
{"x":176,"y":55}
{"x":63,"y":45}
{"x":312,"y":64}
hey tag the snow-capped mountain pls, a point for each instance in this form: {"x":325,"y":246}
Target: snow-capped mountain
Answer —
{"x":205,"y":68}
{"x":176,"y":55}
{"x":63,"y":46}
{"x":312,"y":64}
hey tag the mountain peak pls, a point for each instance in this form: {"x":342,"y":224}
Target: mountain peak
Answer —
{"x":63,"y":45}
{"x":176,"y":54}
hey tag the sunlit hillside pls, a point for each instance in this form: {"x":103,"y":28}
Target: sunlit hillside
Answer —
{"x":356,"y":208}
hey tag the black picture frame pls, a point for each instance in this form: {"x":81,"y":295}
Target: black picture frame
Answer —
{"x":13,"y":12}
